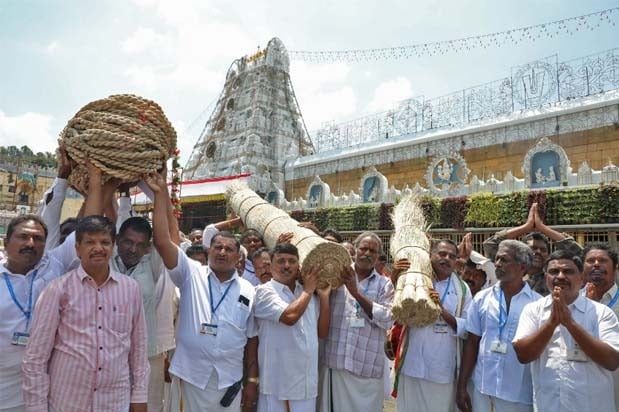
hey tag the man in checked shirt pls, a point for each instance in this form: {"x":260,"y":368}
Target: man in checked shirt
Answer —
{"x":87,"y":346}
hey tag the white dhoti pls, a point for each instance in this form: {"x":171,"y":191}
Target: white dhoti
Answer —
{"x":155,"y":383}
{"x":270,"y":403}
{"x":172,"y":398}
{"x":344,"y":392}
{"x":485,"y":403}
{"x":207,"y":400}
{"x":421,"y":395}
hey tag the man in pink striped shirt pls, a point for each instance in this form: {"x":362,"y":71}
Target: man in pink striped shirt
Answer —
{"x":87,"y":346}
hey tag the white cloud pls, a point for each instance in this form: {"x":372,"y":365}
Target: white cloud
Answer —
{"x":30,"y":129}
{"x":143,"y":39}
{"x":328,"y":106}
{"x":388,"y":93}
{"x":323,"y":92}
{"x":52,"y":47}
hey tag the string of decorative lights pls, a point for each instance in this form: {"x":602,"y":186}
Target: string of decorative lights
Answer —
{"x":567,"y":26}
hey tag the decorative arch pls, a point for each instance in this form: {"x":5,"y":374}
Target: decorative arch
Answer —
{"x":317,"y":193}
{"x":545,"y":165}
{"x":373,"y":186}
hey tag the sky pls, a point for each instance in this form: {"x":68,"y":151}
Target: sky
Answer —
{"x":56,"y":56}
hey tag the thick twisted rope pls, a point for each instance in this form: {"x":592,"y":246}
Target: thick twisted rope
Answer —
{"x":125,"y":136}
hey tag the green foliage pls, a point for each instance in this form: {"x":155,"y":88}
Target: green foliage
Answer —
{"x":453,"y":212}
{"x":607,"y":202}
{"x":557,"y":207}
{"x":484,"y":210}
{"x":513,"y":209}
{"x":26,"y":156}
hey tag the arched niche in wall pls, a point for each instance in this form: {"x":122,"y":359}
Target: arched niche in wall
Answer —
{"x":317,"y":193}
{"x":373,"y":187}
{"x":545,"y":165}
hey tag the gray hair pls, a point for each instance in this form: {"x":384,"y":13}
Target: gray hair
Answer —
{"x":522,"y":252}
{"x":372,"y":235}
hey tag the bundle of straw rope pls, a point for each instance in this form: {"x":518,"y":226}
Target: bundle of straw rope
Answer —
{"x":412,"y":304}
{"x":270,"y":222}
{"x":125,"y":136}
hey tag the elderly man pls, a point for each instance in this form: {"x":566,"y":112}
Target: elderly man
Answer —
{"x":360,"y":315}
{"x":428,"y":368}
{"x":25,"y":272}
{"x":501,"y":383}
{"x":571,"y":342}
{"x":536,"y":235}
{"x":600,"y":265}
{"x":88,"y":345}
{"x":290,"y":320}
{"x":215,"y":319}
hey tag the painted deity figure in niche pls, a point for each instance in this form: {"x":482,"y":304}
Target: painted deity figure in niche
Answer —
{"x":551,"y":174}
{"x":444,"y":170}
{"x":539,"y":176}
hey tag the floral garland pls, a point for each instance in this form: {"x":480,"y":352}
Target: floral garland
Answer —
{"x":176,"y":183}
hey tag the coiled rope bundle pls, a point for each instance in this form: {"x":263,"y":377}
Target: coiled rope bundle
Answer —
{"x":125,"y":136}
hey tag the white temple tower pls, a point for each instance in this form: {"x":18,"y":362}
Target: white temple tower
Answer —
{"x":256,"y":125}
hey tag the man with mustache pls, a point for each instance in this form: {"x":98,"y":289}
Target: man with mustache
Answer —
{"x":250,"y":240}
{"x":430,"y":362}
{"x":27,"y":270}
{"x":571,"y":342}
{"x":216,"y":332}
{"x":600,"y":264}
{"x":360,"y":315}
{"x":88,"y":345}
{"x":290,"y":320}
{"x":501,"y":383}
{"x":133,"y":256}
{"x":261,"y":259}
{"x":536,"y":235}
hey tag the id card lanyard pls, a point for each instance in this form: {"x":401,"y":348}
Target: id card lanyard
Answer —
{"x":446,"y":291}
{"x":28,"y":310}
{"x":613,"y":300}
{"x":210,"y":293}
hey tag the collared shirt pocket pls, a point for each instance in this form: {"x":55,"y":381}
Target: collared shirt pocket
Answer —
{"x":118,"y":320}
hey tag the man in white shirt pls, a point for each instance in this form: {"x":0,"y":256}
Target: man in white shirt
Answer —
{"x":25,"y":273}
{"x":501,"y":383}
{"x":428,"y":370}
{"x":600,"y":266}
{"x":290,"y":320}
{"x":216,"y":324}
{"x":571,"y":342}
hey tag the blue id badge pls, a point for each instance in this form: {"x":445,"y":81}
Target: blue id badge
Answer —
{"x":208,"y":329}
{"x":20,"y":338}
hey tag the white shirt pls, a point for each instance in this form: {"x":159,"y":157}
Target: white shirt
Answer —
{"x":166,"y":313}
{"x":250,"y":273}
{"x":560,"y":384}
{"x":54,"y":263}
{"x":197,"y":354}
{"x":496,"y":374}
{"x":50,"y":210}
{"x":287,"y":355}
{"x":146,"y":272}
{"x":430,"y":355}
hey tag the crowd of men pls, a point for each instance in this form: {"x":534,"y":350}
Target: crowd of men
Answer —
{"x":110,"y":312}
